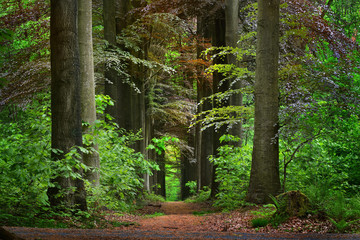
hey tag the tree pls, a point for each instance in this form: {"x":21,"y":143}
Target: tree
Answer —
{"x":231,"y":38}
{"x":88,"y":110}
{"x":264,"y":177}
{"x":111,"y":83}
{"x":65,"y":99}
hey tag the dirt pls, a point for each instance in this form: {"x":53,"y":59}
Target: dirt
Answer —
{"x":178,"y":221}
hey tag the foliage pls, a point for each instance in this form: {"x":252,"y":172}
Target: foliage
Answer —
{"x":192,"y":185}
{"x":259,"y":222}
{"x":202,"y":196}
{"x":233,"y":169}
{"x":27,"y":169}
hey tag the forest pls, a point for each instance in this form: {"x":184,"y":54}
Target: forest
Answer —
{"x":111,"y":104}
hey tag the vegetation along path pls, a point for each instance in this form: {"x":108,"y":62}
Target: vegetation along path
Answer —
{"x":179,"y":220}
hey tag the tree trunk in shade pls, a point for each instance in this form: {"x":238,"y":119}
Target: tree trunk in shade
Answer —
{"x":66,"y":129}
{"x":264,"y":177}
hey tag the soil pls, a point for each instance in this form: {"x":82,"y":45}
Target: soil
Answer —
{"x":176,"y":220}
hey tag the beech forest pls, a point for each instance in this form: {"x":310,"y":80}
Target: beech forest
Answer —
{"x":116,"y":106}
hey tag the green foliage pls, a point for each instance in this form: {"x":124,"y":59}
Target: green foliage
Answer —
{"x":160,"y":144}
{"x":259,"y":222}
{"x":26,"y":168}
{"x":202,"y":196}
{"x":265,"y":211}
{"x":233,"y":169}
{"x":157,"y":214}
{"x":153,"y":198}
{"x":192,"y":185}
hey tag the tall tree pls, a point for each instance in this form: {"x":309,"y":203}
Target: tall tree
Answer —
{"x":231,"y":38}
{"x":88,"y":110}
{"x":65,"y":97}
{"x":264,"y":178}
{"x":111,"y":82}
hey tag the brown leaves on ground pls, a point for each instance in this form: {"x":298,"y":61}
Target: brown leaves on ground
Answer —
{"x":179,"y":216}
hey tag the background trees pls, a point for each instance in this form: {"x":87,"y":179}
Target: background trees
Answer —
{"x":164,"y":62}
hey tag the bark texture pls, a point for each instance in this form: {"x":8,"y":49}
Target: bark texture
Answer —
{"x":65,"y":97}
{"x":88,"y":110}
{"x":264,"y":178}
{"x":204,"y":138}
{"x":111,"y":82}
{"x":231,"y":38}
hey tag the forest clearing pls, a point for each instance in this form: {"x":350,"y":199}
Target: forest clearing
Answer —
{"x":229,"y":117}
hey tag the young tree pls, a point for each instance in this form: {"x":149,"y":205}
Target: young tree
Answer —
{"x":264,"y":178}
{"x":88,"y":110}
{"x":65,"y":98}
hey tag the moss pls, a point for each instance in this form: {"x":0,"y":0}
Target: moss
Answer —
{"x":293,"y":203}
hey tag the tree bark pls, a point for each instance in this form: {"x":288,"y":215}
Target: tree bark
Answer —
{"x":204,"y":138}
{"x":231,"y":38}
{"x":111,"y":81}
{"x":219,"y":85}
{"x":65,"y":97}
{"x":264,"y":178}
{"x":88,"y":109}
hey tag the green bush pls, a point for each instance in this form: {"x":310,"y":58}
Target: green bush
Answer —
{"x":232,"y":173}
{"x":26,"y":168}
{"x":259,"y":222}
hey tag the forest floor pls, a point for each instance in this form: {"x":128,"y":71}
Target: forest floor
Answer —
{"x":180,"y":220}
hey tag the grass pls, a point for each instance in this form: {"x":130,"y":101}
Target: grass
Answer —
{"x":157,"y":214}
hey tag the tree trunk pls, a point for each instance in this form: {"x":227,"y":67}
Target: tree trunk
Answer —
{"x":218,"y":40}
{"x":65,"y":97}
{"x":111,"y":81}
{"x":204,"y":138}
{"x":188,"y":167}
{"x":231,"y":38}
{"x":264,"y":178}
{"x":88,"y":110}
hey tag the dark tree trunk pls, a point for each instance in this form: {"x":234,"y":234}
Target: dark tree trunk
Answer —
{"x":65,"y":97}
{"x":218,"y":40}
{"x":231,"y":38}
{"x":204,"y":138}
{"x":264,"y":177}
{"x":160,"y":175}
{"x":188,"y":167}
{"x":111,"y":81}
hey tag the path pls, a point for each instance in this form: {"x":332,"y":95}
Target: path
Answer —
{"x":177,"y":223}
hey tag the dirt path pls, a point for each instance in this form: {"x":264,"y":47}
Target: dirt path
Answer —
{"x":179,"y":222}
{"x":178,"y":215}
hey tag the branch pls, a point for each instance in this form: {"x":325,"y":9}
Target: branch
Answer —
{"x":300,"y":146}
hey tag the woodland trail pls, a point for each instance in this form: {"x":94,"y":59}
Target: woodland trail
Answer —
{"x":179,"y":222}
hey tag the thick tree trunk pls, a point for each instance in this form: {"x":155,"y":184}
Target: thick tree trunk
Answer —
{"x":65,"y":97}
{"x":88,"y":110}
{"x":231,"y":38}
{"x":264,"y":178}
{"x":6,"y":235}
